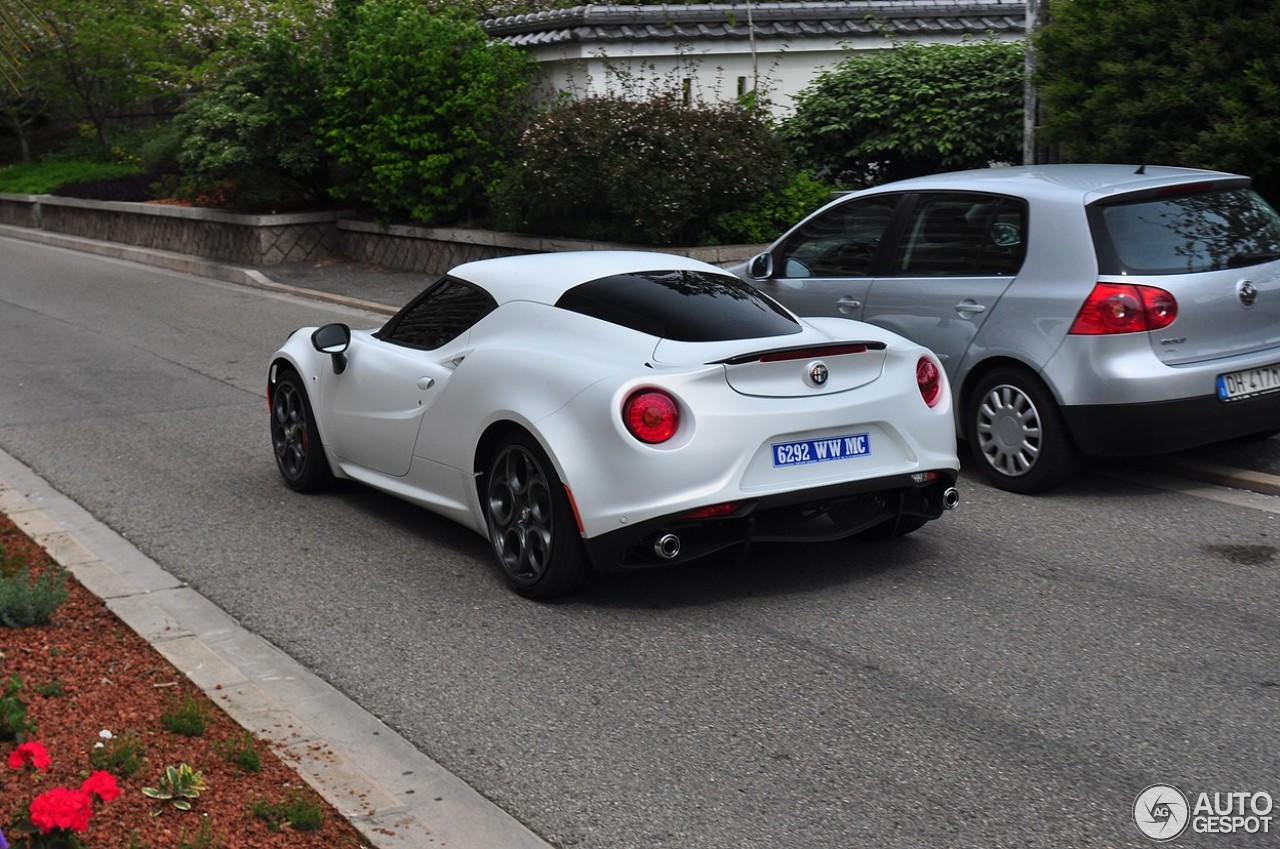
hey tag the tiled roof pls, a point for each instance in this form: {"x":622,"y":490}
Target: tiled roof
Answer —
{"x":728,"y":21}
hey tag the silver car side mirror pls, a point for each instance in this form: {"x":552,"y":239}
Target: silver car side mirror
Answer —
{"x":761,"y":268}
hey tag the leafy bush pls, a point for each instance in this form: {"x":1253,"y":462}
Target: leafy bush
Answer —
{"x":255,"y":128}
{"x":765,"y":219}
{"x":912,"y":110}
{"x":423,"y":110}
{"x":651,"y":171}
{"x":1176,"y":82}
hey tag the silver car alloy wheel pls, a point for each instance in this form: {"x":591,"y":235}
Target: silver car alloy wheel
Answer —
{"x":1008,"y":430}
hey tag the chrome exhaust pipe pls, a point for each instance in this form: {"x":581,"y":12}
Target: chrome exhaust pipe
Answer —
{"x":667,"y":546}
{"x":951,"y":498}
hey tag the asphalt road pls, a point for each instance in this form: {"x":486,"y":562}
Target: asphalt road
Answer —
{"x":1012,"y":675}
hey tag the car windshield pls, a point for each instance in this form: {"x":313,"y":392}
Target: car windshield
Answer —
{"x":1187,"y":233}
{"x":685,"y":306}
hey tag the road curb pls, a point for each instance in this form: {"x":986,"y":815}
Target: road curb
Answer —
{"x":397,"y":797}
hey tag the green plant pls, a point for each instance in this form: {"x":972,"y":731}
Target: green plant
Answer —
{"x":14,"y":724}
{"x":242,"y":751}
{"x":178,"y":785}
{"x":122,"y":756}
{"x":29,"y":596}
{"x":298,"y":812}
{"x":882,"y":115}
{"x":187,"y":716}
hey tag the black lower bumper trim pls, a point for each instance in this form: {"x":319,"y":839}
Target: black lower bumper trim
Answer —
{"x":810,"y":515}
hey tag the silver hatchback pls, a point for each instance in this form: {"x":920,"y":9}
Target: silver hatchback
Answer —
{"x":1097,"y":310}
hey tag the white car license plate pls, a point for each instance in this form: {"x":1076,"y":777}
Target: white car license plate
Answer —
{"x":1238,"y":385}
{"x":823,"y":450}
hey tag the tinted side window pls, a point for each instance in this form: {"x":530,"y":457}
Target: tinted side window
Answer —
{"x":439,"y":314}
{"x":842,"y":242}
{"x":1201,"y":231}
{"x":686,"y":306}
{"x":963,"y":235}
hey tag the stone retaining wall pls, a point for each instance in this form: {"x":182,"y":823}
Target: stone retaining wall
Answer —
{"x":265,"y":240}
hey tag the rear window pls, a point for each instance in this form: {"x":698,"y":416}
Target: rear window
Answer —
{"x":685,"y":306}
{"x":1183,"y":234}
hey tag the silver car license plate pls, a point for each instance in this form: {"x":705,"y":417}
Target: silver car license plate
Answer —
{"x":823,"y":450}
{"x":1238,"y":385}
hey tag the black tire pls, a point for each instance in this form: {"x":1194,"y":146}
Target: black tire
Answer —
{"x":532,"y":529}
{"x":295,"y":440}
{"x":1017,"y":434}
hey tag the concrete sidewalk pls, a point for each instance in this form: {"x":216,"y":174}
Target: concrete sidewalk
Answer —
{"x":395,"y":795}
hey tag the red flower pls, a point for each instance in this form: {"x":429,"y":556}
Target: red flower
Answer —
{"x":31,"y":754}
{"x":61,"y":808}
{"x":101,"y":784}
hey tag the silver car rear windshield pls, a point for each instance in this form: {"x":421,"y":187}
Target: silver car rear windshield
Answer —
{"x":686,"y":306}
{"x":1186,"y":233}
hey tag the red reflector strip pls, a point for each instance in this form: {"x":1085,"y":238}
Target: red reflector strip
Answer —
{"x":713,"y":511}
{"x":810,"y":353}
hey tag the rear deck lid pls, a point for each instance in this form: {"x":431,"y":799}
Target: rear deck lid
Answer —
{"x":1215,"y":249}
{"x":816,"y":365}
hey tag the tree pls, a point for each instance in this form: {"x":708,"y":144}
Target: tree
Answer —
{"x":423,"y":110}
{"x":911,"y":110}
{"x":1178,"y":82}
{"x":254,"y":127}
{"x":102,"y":63}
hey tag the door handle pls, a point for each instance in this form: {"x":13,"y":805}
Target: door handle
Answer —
{"x":426,"y":382}
{"x":970,"y":306}
{"x":848,"y":304}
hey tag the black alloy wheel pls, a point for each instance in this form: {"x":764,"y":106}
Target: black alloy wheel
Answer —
{"x":295,"y":438}
{"x":532,"y":529}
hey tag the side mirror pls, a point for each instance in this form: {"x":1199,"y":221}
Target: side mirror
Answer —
{"x":761,"y":268}
{"x":333,"y":339}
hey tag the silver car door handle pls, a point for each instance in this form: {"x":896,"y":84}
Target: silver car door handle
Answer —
{"x":849,"y":304}
{"x":426,"y":382}
{"x":970,"y":306}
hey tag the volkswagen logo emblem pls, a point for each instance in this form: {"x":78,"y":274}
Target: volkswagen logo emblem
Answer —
{"x":1247,"y":293}
{"x":818,"y":373}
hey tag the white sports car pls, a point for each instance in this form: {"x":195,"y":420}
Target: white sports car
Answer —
{"x":617,"y":410}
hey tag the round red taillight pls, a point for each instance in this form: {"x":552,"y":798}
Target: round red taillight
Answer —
{"x":651,"y":416}
{"x":929,"y":381}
